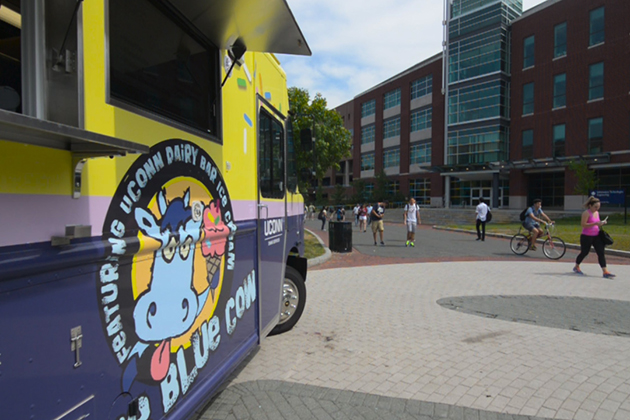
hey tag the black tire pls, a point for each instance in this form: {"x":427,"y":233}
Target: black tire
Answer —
{"x":555,"y":249}
{"x":293,"y":301}
{"x":519,"y":244}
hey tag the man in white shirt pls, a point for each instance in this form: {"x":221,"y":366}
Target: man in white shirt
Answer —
{"x":411,"y":218}
{"x":482,"y":213}
{"x":355,"y":211}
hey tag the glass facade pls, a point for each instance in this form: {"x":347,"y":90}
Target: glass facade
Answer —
{"x":478,"y":55}
{"x":367,"y":134}
{"x":560,"y":90}
{"x":368,"y":108}
{"x":391,"y":128}
{"x":478,"y":102}
{"x":596,"y":81}
{"x":529,"y":57}
{"x":527,"y":140}
{"x":478,"y":145}
{"x":391,"y":158}
{"x":422,"y":87}
{"x":421,"y":153}
{"x":596,"y":26}
{"x":559,"y":139}
{"x":391,"y":99}
{"x":549,"y":187}
{"x":595,"y":135}
{"x":420,"y":189}
{"x":528,"y":98}
{"x":421,"y":119}
{"x":393,"y":188}
{"x":367,"y":162}
{"x":560,"y":40}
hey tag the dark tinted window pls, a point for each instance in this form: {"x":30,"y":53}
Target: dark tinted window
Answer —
{"x":157,"y":66}
{"x":271,"y":157}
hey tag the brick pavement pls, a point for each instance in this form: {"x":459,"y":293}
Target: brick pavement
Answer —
{"x":373,"y":343}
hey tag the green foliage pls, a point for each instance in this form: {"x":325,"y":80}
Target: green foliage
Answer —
{"x":339,"y":195}
{"x":586,"y":181}
{"x":358,"y":196}
{"x":332,"y":141}
{"x":381,"y":187}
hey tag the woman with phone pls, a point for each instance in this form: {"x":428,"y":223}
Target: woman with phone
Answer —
{"x":591,"y":225}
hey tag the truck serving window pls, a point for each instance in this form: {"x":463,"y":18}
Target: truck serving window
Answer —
{"x":158,"y":66}
{"x":271,"y":157}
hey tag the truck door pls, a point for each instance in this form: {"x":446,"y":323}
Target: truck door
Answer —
{"x":271,"y":216}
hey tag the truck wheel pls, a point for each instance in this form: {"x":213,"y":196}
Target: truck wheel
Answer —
{"x":293,"y":301}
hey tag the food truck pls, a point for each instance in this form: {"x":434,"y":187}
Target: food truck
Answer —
{"x":151,"y":227}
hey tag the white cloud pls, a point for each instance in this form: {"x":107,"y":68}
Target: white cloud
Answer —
{"x":357,"y":44}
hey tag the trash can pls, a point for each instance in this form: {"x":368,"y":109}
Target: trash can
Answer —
{"x":340,"y":236}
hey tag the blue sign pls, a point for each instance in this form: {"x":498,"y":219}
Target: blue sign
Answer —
{"x":610,"y":196}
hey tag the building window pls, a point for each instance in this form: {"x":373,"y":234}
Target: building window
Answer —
{"x":560,"y":90}
{"x":478,"y":102}
{"x":528,"y":98}
{"x":596,"y":81}
{"x":391,"y":128}
{"x":421,"y":153}
{"x":367,"y":162}
{"x":367,"y":134}
{"x":528,"y":144}
{"x":560,"y":40}
{"x":479,"y":54}
{"x":420,"y":189}
{"x":391,"y":99}
{"x":478,"y":145}
{"x":595,"y":135}
{"x":559,"y":135}
{"x":422,"y":87}
{"x":421,"y":119}
{"x":391,"y":158}
{"x":596,"y":27}
{"x":393,"y":188}
{"x":528,"y":52}
{"x":368,"y":108}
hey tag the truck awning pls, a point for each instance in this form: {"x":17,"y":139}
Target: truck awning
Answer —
{"x":262,"y":25}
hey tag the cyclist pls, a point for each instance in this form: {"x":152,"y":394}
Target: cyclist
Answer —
{"x":533,"y":220}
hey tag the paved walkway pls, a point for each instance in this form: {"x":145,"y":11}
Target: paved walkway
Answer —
{"x":390,"y":342}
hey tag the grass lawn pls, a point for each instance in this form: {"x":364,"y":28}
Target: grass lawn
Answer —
{"x":568,"y":229}
{"x":312,"y":247}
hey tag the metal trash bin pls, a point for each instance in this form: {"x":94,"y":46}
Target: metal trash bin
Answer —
{"x":340,"y":236}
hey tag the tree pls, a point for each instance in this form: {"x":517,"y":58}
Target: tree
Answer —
{"x":381,"y":187}
{"x":332,"y":141}
{"x":339,"y":195}
{"x":585,"y":177}
{"x":359,"y":196}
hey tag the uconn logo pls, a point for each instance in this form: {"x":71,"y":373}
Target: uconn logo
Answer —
{"x":273,"y":231}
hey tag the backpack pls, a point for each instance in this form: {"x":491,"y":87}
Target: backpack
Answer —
{"x":522,"y":216}
{"x":321,"y":215}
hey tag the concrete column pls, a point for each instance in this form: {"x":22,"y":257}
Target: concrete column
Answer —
{"x":495,"y":190}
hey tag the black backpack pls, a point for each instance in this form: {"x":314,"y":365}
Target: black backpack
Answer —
{"x":522,"y":215}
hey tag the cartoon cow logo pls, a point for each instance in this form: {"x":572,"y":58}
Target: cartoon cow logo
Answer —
{"x":167,"y":261}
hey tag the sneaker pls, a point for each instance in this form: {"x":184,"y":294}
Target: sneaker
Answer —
{"x":382,"y":243}
{"x":413,"y":244}
{"x":533,"y":248}
{"x":375,"y":244}
{"x":576,"y":270}
{"x":608,"y":275}
{"x":407,"y":243}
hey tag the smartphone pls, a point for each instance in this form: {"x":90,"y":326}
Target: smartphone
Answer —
{"x":606,"y":219}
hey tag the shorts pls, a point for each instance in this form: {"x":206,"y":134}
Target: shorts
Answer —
{"x":362,"y":217}
{"x":411,"y":227}
{"x":377,"y":225}
{"x":530,"y":226}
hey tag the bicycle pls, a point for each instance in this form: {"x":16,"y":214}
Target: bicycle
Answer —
{"x":553,"y":247}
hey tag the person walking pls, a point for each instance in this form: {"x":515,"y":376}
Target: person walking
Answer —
{"x":355,"y":211}
{"x":591,"y":225}
{"x":322,"y":217}
{"x":411,"y":217}
{"x":363,"y":216}
{"x":482,"y":213}
{"x":311,"y":211}
{"x":376,"y":217}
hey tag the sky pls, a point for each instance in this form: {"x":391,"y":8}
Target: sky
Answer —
{"x":357,"y":44}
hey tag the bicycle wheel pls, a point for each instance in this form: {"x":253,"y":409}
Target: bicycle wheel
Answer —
{"x":519,"y":244}
{"x":554,"y":249}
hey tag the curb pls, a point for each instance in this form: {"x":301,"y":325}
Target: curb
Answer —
{"x":322,"y":258}
{"x":615,"y":252}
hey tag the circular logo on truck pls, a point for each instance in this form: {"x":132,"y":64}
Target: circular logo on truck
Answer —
{"x":170,"y":233}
